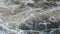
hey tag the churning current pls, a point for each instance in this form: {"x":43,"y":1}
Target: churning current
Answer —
{"x":29,"y":16}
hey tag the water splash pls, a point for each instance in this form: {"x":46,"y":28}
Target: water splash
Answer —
{"x":12,"y":15}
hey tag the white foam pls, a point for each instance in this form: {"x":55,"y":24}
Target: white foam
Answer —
{"x":5,"y":25}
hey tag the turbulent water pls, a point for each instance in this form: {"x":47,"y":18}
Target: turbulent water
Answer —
{"x":29,"y":16}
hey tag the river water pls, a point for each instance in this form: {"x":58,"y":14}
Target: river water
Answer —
{"x":29,"y":16}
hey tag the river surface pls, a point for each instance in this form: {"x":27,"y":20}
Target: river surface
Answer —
{"x":29,"y":16}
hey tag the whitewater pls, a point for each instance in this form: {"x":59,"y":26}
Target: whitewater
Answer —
{"x":14,"y":13}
